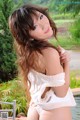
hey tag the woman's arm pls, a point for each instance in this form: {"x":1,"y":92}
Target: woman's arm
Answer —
{"x":61,"y":91}
{"x":64,"y":59}
{"x":53,"y":66}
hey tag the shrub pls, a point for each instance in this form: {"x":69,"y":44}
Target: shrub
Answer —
{"x":75,"y":29}
{"x":13,"y":90}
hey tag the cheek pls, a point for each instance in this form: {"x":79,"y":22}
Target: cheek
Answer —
{"x":37,"y":33}
{"x":46,"y":20}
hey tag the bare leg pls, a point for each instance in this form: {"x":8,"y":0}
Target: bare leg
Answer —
{"x":32,"y":114}
{"x":56,"y":114}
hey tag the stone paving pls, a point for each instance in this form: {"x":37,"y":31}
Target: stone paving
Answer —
{"x":76,"y":91}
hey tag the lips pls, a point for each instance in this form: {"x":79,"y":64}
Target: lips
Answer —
{"x":47,"y":31}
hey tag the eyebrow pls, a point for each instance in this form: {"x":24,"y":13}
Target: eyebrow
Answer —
{"x":37,"y":16}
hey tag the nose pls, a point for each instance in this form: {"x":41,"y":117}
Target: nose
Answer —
{"x":42,"y":25}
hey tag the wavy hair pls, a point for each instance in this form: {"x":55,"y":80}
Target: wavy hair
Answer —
{"x":27,"y":51}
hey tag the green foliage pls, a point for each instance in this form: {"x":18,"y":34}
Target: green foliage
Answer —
{"x":74,"y":83}
{"x":64,"y":37}
{"x":72,"y":6}
{"x":61,"y":16}
{"x":13,"y":90}
{"x":75,"y":30}
{"x":74,"y":80}
{"x":53,"y":6}
{"x":7,"y":53}
{"x":65,"y":42}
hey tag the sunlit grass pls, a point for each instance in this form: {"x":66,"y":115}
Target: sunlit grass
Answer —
{"x":74,"y":83}
{"x":65,"y":42}
{"x":14,"y":90}
{"x":61,"y":16}
{"x":75,"y":79}
{"x":64,"y":37}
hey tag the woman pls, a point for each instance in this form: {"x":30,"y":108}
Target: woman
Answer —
{"x":43,"y":67}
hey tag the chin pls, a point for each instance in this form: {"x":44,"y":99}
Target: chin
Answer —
{"x":50,"y":34}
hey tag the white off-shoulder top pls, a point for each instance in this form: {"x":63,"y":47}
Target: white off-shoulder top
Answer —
{"x":40,"y":81}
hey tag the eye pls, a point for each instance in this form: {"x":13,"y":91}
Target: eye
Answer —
{"x":35,"y":26}
{"x":41,"y":16}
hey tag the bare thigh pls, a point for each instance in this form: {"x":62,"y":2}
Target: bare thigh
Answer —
{"x":63,"y":113}
{"x":32,"y":114}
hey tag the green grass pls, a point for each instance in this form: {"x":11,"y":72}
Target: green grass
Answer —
{"x":14,"y":90}
{"x":61,"y":16}
{"x":66,"y":43}
{"x":74,"y":83}
{"x":75,"y":79}
{"x":62,"y":22}
{"x":65,"y":38}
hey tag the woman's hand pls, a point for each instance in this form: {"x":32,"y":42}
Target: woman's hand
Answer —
{"x":64,"y":55}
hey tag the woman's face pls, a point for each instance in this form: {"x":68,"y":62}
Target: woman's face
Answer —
{"x":42,"y":29}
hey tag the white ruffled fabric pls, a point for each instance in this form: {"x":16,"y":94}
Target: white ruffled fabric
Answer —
{"x":40,"y":81}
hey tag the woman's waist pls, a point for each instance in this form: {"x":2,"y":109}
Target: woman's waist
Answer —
{"x":51,"y":97}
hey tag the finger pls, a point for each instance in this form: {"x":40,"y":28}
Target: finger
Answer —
{"x":64,"y":53}
{"x":64,"y":61}
{"x":59,"y":47}
{"x":65,"y":57}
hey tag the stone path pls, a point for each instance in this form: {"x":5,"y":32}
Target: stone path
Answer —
{"x":76,"y":91}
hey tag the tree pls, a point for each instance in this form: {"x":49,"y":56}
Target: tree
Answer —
{"x":54,"y":5}
{"x":61,"y":6}
{"x":72,"y":6}
{"x":7,"y":53}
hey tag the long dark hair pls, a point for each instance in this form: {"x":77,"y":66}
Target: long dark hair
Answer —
{"x":27,"y":51}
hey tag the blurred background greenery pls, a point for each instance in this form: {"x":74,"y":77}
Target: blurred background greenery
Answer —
{"x":66,"y":15}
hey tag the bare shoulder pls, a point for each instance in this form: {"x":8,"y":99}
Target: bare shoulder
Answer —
{"x":52,"y":61}
{"x":50,"y":52}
